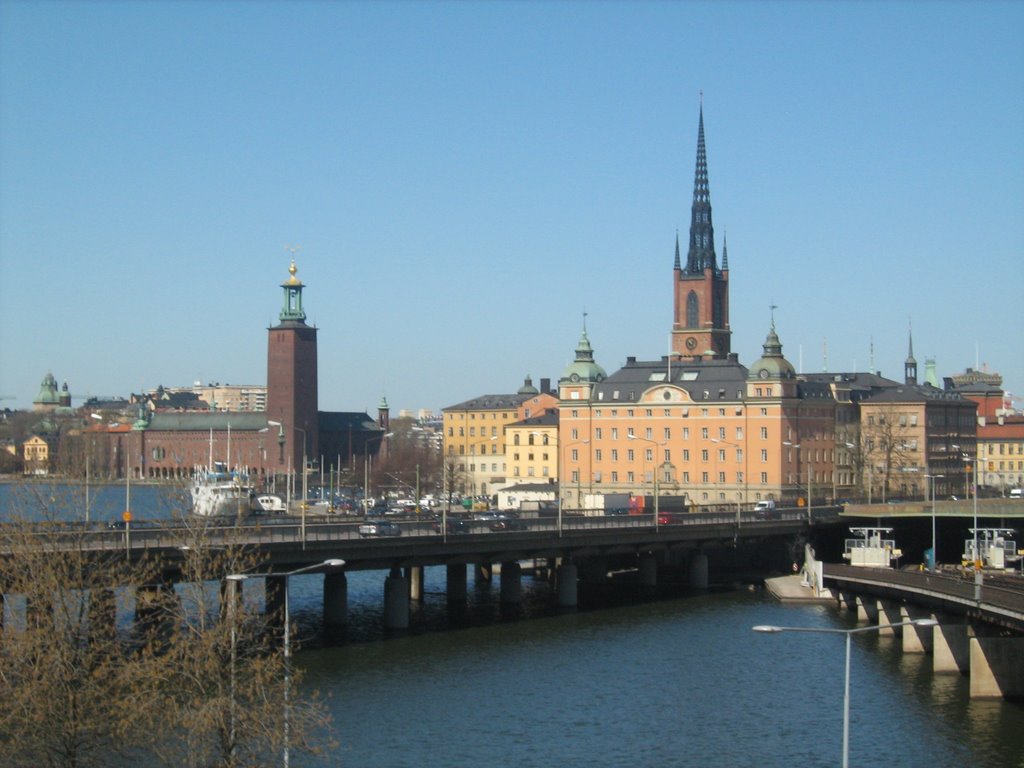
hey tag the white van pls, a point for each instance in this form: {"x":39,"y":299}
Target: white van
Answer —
{"x":765,"y":510}
{"x":1017,"y":493}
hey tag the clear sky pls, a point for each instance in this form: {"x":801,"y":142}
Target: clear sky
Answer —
{"x":464,"y":180}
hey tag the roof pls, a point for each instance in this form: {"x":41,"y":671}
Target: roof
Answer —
{"x":240,"y":421}
{"x":917,"y":393}
{"x":490,"y":403}
{"x":546,"y":419}
{"x":342,"y":421}
{"x":721,"y":379}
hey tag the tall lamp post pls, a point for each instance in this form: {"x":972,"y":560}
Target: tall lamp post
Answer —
{"x":745,"y":480}
{"x":579,"y":505}
{"x":935,"y":551}
{"x":654,"y":471}
{"x":846,"y":680}
{"x":366,"y":465}
{"x":236,"y":577}
{"x":305,"y":460}
{"x":972,"y":468}
{"x":797,"y":447}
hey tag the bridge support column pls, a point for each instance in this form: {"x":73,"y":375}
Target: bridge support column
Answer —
{"x":273,"y":599}
{"x":997,"y":667}
{"x":568,"y":590}
{"x":511,"y":583}
{"x":867,"y":610}
{"x":414,"y":574}
{"x":396,"y":601}
{"x":335,"y":599}
{"x":455,"y":582}
{"x":647,"y":569}
{"x":916,"y":639}
{"x":889,"y":613}
{"x":951,"y":653}
{"x":484,"y":573}
{"x":847,"y":600}
{"x":102,"y":615}
{"x":698,"y":570}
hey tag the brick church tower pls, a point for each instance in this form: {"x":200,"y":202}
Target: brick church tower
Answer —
{"x":700,"y":327}
{"x":292,"y":381}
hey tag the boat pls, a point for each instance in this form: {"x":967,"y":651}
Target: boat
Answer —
{"x":270,"y":502}
{"x":219,"y":493}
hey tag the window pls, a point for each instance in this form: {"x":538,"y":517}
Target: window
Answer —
{"x":649,"y":433}
{"x":597,"y":455}
{"x":668,"y":455}
{"x":615,"y":454}
{"x":704,"y":433}
{"x":597,"y":433}
{"x":575,"y":476}
{"x":615,"y":433}
{"x":686,"y":454}
{"x":667,"y":434}
{"x":764,"y":433}
{"x":721,"y":433}
{"x":629,"y":455}
{"x":574,"y":455}
{"x":764,"y":456}
{"x":704,"y":455}
{"x":686,"y":433}
{"x":615,"y":477}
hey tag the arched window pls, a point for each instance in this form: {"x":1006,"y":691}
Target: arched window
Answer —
{"x":692,"y":310}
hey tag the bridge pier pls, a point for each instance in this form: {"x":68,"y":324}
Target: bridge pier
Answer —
{"x":997,"y":667}
{"x":951,"y":651}
{"x":335,"y":599}
{"x":568,"y":590}
{"x":511,"y":583}
{"x":273,"y":599}
{"x":889,"y":613}
{"x":484,"y":572}
{"x":414,"y":573}
{"x":396,"y":600}
{"x":647,"y":569}
{"x":698,"y":570}
{"x":867,"y":610}
{"x":455,"y":583}
{"x":917,"y":639}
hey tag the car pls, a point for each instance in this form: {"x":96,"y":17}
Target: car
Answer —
{"x":455,"y":525}
{"x":503,"y":522}
{"x":379,"y":528}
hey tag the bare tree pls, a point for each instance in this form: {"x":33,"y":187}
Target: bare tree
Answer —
{"x":885,"y":442}
{"x":193,"y":680}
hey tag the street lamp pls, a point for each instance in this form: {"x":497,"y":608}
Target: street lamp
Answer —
{"x":654,"y":471}
{"x":366,"y":465}
{"x":237,"y":577}
{"x":935,"y":551}
{"x":88,"y":451}
{"x":579,"y":505}
{"x":797,"y":446}
{"x":973,"y":468}
{"x":746,"y":482}
{"x":846,"y":683}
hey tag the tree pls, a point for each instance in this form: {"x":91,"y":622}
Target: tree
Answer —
{"x":194,"y":680}
{"x":885,"y":440}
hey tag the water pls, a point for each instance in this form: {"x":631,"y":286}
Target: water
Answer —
{"x":106,"y":502}
{"x":677,"y":682}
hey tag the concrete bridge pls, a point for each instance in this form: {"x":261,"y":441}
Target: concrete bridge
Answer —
{"x":981,"y":619}
{"x":569,"y":550}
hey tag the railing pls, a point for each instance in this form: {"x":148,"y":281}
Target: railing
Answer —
{"x":144,"y":535}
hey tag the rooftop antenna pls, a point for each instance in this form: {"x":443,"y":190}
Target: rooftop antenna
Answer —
{"x":825,"y":353}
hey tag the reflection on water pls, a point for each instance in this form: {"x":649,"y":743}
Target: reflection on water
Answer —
{"x":673,"y":682}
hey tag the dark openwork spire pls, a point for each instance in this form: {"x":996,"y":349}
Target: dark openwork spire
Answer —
{"x":701,"y":254}
{"x":678,"y":264}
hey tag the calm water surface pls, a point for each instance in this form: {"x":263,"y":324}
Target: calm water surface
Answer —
{"x":677,"y":682}
{"x":674,"y":682}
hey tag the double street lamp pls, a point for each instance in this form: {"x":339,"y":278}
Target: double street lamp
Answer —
{"x":654,"y":471}
{"x":846,"y":682}
{"x":238,"y":577}
{"x":935,"y":551}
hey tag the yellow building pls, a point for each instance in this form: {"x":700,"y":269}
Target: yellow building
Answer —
{"x":531,"y":449}
{"x":36,"y":455}
{"x":474,"y":437}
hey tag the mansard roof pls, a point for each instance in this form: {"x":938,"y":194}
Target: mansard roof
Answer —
{"x":490,"y":403}
{"x":239,"y":421}
{"x":723,"y":380}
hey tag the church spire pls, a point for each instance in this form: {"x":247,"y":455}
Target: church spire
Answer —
{"x":701,"y":254}
{"x":910,"y":364}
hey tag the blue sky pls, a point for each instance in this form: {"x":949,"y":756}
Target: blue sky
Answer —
{"x":465,"y":180}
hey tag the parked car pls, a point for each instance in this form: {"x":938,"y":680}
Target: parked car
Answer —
{"x":379,"y":528}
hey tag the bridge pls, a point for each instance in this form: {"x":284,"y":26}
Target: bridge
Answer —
{"x":980,"y":614}
{"x":568,"y":549}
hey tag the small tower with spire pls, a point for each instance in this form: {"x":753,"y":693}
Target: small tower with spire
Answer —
{"x":910,"y":364}
{"x":578,"y":380}
{"x":700,"y":327}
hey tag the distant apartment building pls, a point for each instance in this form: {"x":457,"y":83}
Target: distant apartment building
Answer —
{"x":232,"y":397}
